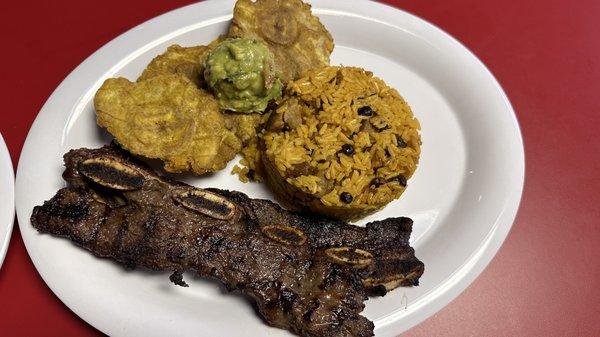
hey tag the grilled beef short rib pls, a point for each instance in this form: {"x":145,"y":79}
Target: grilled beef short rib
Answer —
{"x":307,"y":274}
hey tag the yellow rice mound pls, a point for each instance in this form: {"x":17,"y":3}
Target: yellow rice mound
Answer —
{"x":341,"y":143}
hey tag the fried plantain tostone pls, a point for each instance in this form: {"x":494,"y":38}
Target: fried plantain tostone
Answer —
{"x":296,"y":37}
{"x":187,"y":61}
{"x":178,"y":60}
{"x":167,"y":117}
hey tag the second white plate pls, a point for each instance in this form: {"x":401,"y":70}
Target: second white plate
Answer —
{"x":7,"y":199}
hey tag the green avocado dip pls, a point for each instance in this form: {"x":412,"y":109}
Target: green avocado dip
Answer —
{"x":241,"y":74}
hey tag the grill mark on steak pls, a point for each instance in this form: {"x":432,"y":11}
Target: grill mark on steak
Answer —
{"x":295,"y":286}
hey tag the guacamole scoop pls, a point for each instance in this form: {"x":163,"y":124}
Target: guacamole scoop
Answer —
{"x":242,"y":75}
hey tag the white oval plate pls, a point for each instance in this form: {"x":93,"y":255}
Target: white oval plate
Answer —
{"x":463,"y":197}
{"x":7,"y":199}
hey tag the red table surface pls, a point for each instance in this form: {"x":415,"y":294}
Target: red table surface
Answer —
{"x":545,"y":281}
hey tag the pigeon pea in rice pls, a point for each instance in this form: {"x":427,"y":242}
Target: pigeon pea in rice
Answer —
{"x":341,"y":143}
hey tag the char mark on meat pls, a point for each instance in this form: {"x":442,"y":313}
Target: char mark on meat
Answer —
{"x":307,"y":274}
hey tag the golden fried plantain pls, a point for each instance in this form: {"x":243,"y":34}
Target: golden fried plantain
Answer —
{"x":167,"y":117}
{"x":187,"y":61}
{"x":245,"y":126}
{"x":178,"y":60}
{"x":296,"y":37}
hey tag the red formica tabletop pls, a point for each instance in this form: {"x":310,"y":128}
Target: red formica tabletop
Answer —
{"x":545,"y":281}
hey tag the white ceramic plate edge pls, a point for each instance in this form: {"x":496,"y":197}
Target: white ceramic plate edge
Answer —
{"x":454,"y":285}
{"x":7,"y":214}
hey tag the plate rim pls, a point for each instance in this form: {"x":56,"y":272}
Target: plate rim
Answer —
{"x":445,"y":292}
{"x":7,"y":174}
